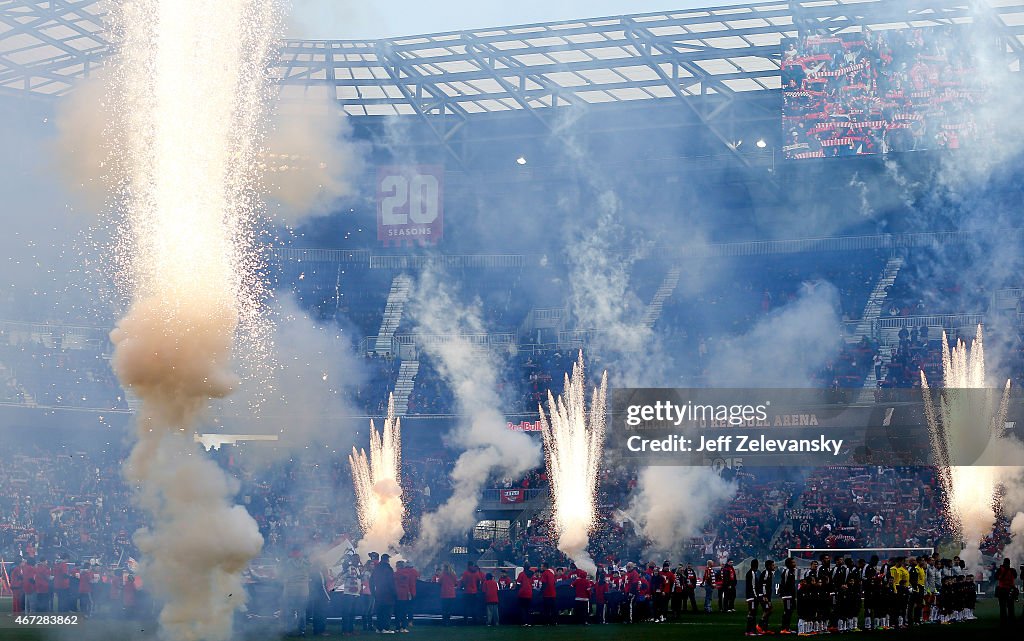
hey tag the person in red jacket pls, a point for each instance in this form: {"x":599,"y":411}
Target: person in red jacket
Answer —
{"x":549,"y":609}
{"x":405,"y":587}
{"x":1006,"y":580}
{"x":30,"y":586}
{"x":727,"y":595}
{"x":448,"y":581}
{"x":44,"y":587}
{"x":581,"y":606}
{"x":85,"y":581}
{"x":525,"y":595}
{"x":490,"y":588}
{"x":17,"y":577}
{"x":117,"y":593}
{"x":130,"y":595}
{"x":640,"y":607}
{"x":62,"y":583}
{"x":470,"y":584}
{"x":601,"y":599}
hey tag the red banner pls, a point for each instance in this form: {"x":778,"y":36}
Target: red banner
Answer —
{"x":513,"y":496}
{"x":410,"y":204}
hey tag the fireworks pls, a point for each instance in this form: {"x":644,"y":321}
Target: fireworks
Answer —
{"x":188,"y":88}
{"x":573,"y":442}
{"x":378,"y":486}
{"x":961,"y":421}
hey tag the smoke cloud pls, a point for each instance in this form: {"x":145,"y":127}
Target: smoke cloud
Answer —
{"x":309,"y":160}
{"x":85,"y":139}
{"x":672,"y":504}
{"x":788,"y":345}
{"x":472,"y":374}
{"x":299,"y":387}
{"x":191,"y":130}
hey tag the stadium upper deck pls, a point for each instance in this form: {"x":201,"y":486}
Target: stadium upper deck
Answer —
{"x":46,"y":46}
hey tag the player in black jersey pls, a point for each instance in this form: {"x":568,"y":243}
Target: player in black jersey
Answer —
{"x":788,"y":593}
{"x":872,"y":587}
{"x":765,"y":586}
{"x":750,"y":579}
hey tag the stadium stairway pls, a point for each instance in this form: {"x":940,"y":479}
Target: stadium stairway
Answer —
{"x":407,"y":371}
{"x":872,"y":312}
{"x":397,"y":297}
{"x":668,"y":285}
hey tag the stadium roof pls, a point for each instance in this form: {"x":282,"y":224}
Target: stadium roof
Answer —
{"x":45,"y":45}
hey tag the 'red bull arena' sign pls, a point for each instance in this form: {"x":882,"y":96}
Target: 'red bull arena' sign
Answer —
{"x":523,"y":426}
{"x":409,"y":204}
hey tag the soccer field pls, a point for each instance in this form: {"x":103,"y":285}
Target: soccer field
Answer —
{"x":710,"y":628}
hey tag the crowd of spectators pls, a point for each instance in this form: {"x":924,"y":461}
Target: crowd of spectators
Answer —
{"x":876,"y":507}
{"x":879,"y":91}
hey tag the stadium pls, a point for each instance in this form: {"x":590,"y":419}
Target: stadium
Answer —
{"x":707,"y":321}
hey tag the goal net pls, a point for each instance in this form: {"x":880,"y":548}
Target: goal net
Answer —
{"x":804,"y":556}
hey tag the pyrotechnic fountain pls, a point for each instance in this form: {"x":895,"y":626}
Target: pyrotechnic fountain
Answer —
{"x":961,"y":421}
{"x":378,"y":487}
{"x":573,"y":443}
{"x":188,"y":90}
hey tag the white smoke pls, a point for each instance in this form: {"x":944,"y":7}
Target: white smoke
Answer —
{"x":672,"y":504}
{"x":787,"y":346}
{"x":191,"y":129}
{"x":310,"y":160}
{"x":603,"y":300}
{"x":307,"y":164}
{"x":85,"y":138}
{"x":299,"y":389}
{"x":489,"y":448}
{"x":176,"y":358}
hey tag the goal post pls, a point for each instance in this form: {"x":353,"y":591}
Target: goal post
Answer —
{"x":804,"y":556}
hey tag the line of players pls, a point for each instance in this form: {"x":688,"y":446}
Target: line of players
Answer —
{"x":828,"y":597}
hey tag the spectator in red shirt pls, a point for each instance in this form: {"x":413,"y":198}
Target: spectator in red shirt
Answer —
{"x":525,"y":595}
{"x":62,"y":583}
{"x":448,"y":581}
{"x":117,"y":592}
{"x":85,"y":580}
{"x":17,"y":577}
{"x":30,"y":586}
{"x":405,"y":586}
{"x":549,"y":609}
{"x":44,"y":587}
{"x":491,"y":599}
{"x":1006,"y":580}
{"x":581,"y":606}
{"x":601,"y":599}
{"x":470,"y":584}
{"x":130,"y":595}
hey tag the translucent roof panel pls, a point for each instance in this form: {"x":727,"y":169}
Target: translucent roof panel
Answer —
{"x":659,"y":55}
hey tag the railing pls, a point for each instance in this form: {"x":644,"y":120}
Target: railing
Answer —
{"x":716,"y":250}
{"x":368,"y":345}
{"x":1007,"y":298}
{"x":315,"y":255}
{"x":498,"y":339}
{"x":70,"y":336}
{"x":472,"y":261}
{"x":578,"y":337}
{"x":946,"y":321}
